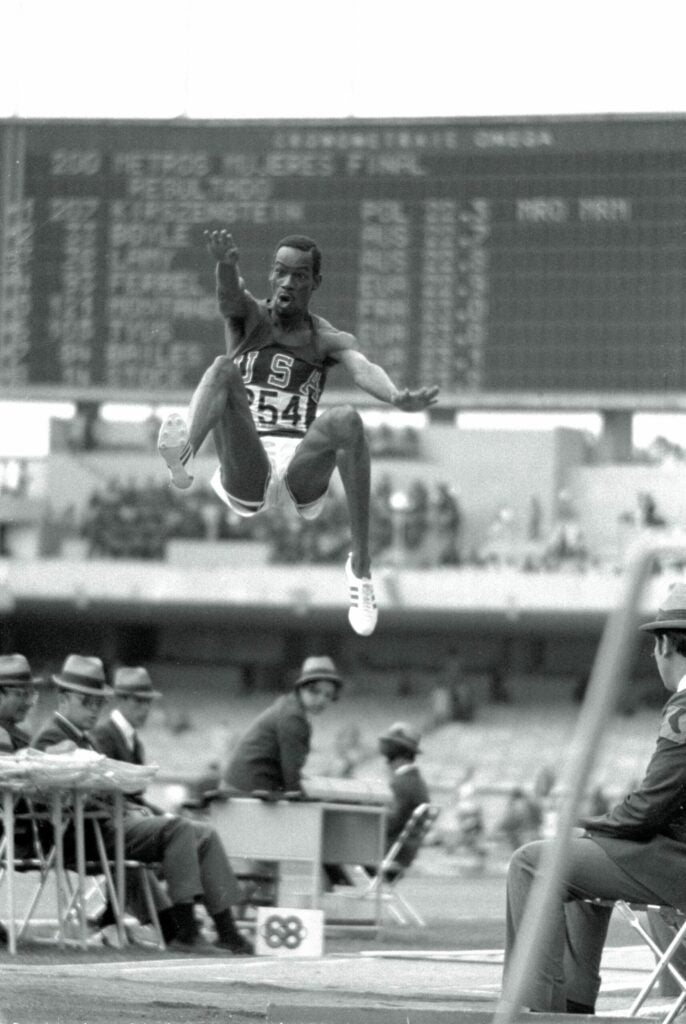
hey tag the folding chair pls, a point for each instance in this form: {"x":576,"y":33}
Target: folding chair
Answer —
{"x":663,"y":958}
{"x":70,"y":899}
{"x":102,"y":866}
{"x":384,"y":884}
{"x":40,"y":858}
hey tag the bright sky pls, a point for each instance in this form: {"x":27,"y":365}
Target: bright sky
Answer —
{"x":315,"y":58}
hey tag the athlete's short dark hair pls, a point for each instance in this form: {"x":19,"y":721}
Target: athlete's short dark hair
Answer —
{"x":305,"y":244}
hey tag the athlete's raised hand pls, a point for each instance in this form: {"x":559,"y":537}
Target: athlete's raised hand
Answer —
{"x":414,"y":401}
{"x":221,"y":245}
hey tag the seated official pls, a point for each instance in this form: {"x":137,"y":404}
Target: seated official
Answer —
{"x":635,"y":852}
{"x":271,"y":754}
{"x":399,"y":745}
{"x":17,"y":696}
{"x":117,"y":736}
{"x":194,"y":865}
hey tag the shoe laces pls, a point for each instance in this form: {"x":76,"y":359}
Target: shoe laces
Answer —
{"x":362,"y":593}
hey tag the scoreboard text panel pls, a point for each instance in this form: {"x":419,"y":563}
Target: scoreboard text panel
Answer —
{"x":482,"y":256}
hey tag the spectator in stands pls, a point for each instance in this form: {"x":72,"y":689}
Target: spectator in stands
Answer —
{"x":534,"y":526}
{"x":469,"y":818}
{"x":650,"y":517}
{"x":380,"y":515}
{"x":634,"y":852}
{"x":522,"y":819}
{"x":194,"y":863}
{"x":566,"y":543}
{"x":500,"y":540}
{"x":447,"y":523}
{"x":271,"y":754}
{"x":350,"y":751}
{"x":416,"y":520}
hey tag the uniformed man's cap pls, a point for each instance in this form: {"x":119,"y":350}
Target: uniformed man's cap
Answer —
{"x":672,"y":612}
{"x":399,"y":736}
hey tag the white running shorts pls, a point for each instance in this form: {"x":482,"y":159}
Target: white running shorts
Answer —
{"x":280,"y":451}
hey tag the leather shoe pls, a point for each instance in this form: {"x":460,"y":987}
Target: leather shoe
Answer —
{"x":198,"y":945}
{"x":239,"y":946}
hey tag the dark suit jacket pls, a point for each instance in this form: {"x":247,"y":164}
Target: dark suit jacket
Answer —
{"x":645,"y":834}
{"x":109,"y":739}
{"x":56,"y":730}
{"x":409,"y":791}
{"x":272,"y":752}
{"x":12,"y":737}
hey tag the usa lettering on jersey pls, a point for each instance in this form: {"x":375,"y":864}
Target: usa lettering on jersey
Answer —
{"x":283,"y":391}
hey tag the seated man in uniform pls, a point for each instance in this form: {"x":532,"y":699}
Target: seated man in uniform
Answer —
{"x":635,"y":852}
{"x":400,"y":745}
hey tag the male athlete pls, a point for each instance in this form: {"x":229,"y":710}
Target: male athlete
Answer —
{"x":260,"y":401}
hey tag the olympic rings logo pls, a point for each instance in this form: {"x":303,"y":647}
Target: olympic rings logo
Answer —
{"x":279,"y":931}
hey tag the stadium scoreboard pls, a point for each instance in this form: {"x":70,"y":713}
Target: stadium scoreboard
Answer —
{"x":487,"y":256}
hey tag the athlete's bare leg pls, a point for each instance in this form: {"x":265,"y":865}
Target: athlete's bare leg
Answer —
{"x":337,"y":439}
{"x":220,"y":405}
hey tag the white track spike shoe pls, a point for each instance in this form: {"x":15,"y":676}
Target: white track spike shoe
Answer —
{"x":363,"y":612}
{"x":173,"y":446}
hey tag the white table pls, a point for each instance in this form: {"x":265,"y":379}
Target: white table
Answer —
{"x":309,"y":831}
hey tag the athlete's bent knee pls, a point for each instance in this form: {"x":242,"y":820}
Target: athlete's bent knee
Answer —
{"x":224,"y":370}
{"x":345,"y":425}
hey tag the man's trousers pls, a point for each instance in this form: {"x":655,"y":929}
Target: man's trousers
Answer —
{"x":569,"y":967}
{"x":193,"y":860}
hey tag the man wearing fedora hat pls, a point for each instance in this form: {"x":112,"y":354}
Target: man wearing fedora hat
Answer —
{"x":17,"y":696}
{"x":635,"y":852}
{"x":271,"y":754}
{"x":118,"y":735}
{"x":194,"y":863}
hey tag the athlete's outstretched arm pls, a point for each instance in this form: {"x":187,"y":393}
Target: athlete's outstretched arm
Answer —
{"x":234,"y":299}
{"x":373,"y":379}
